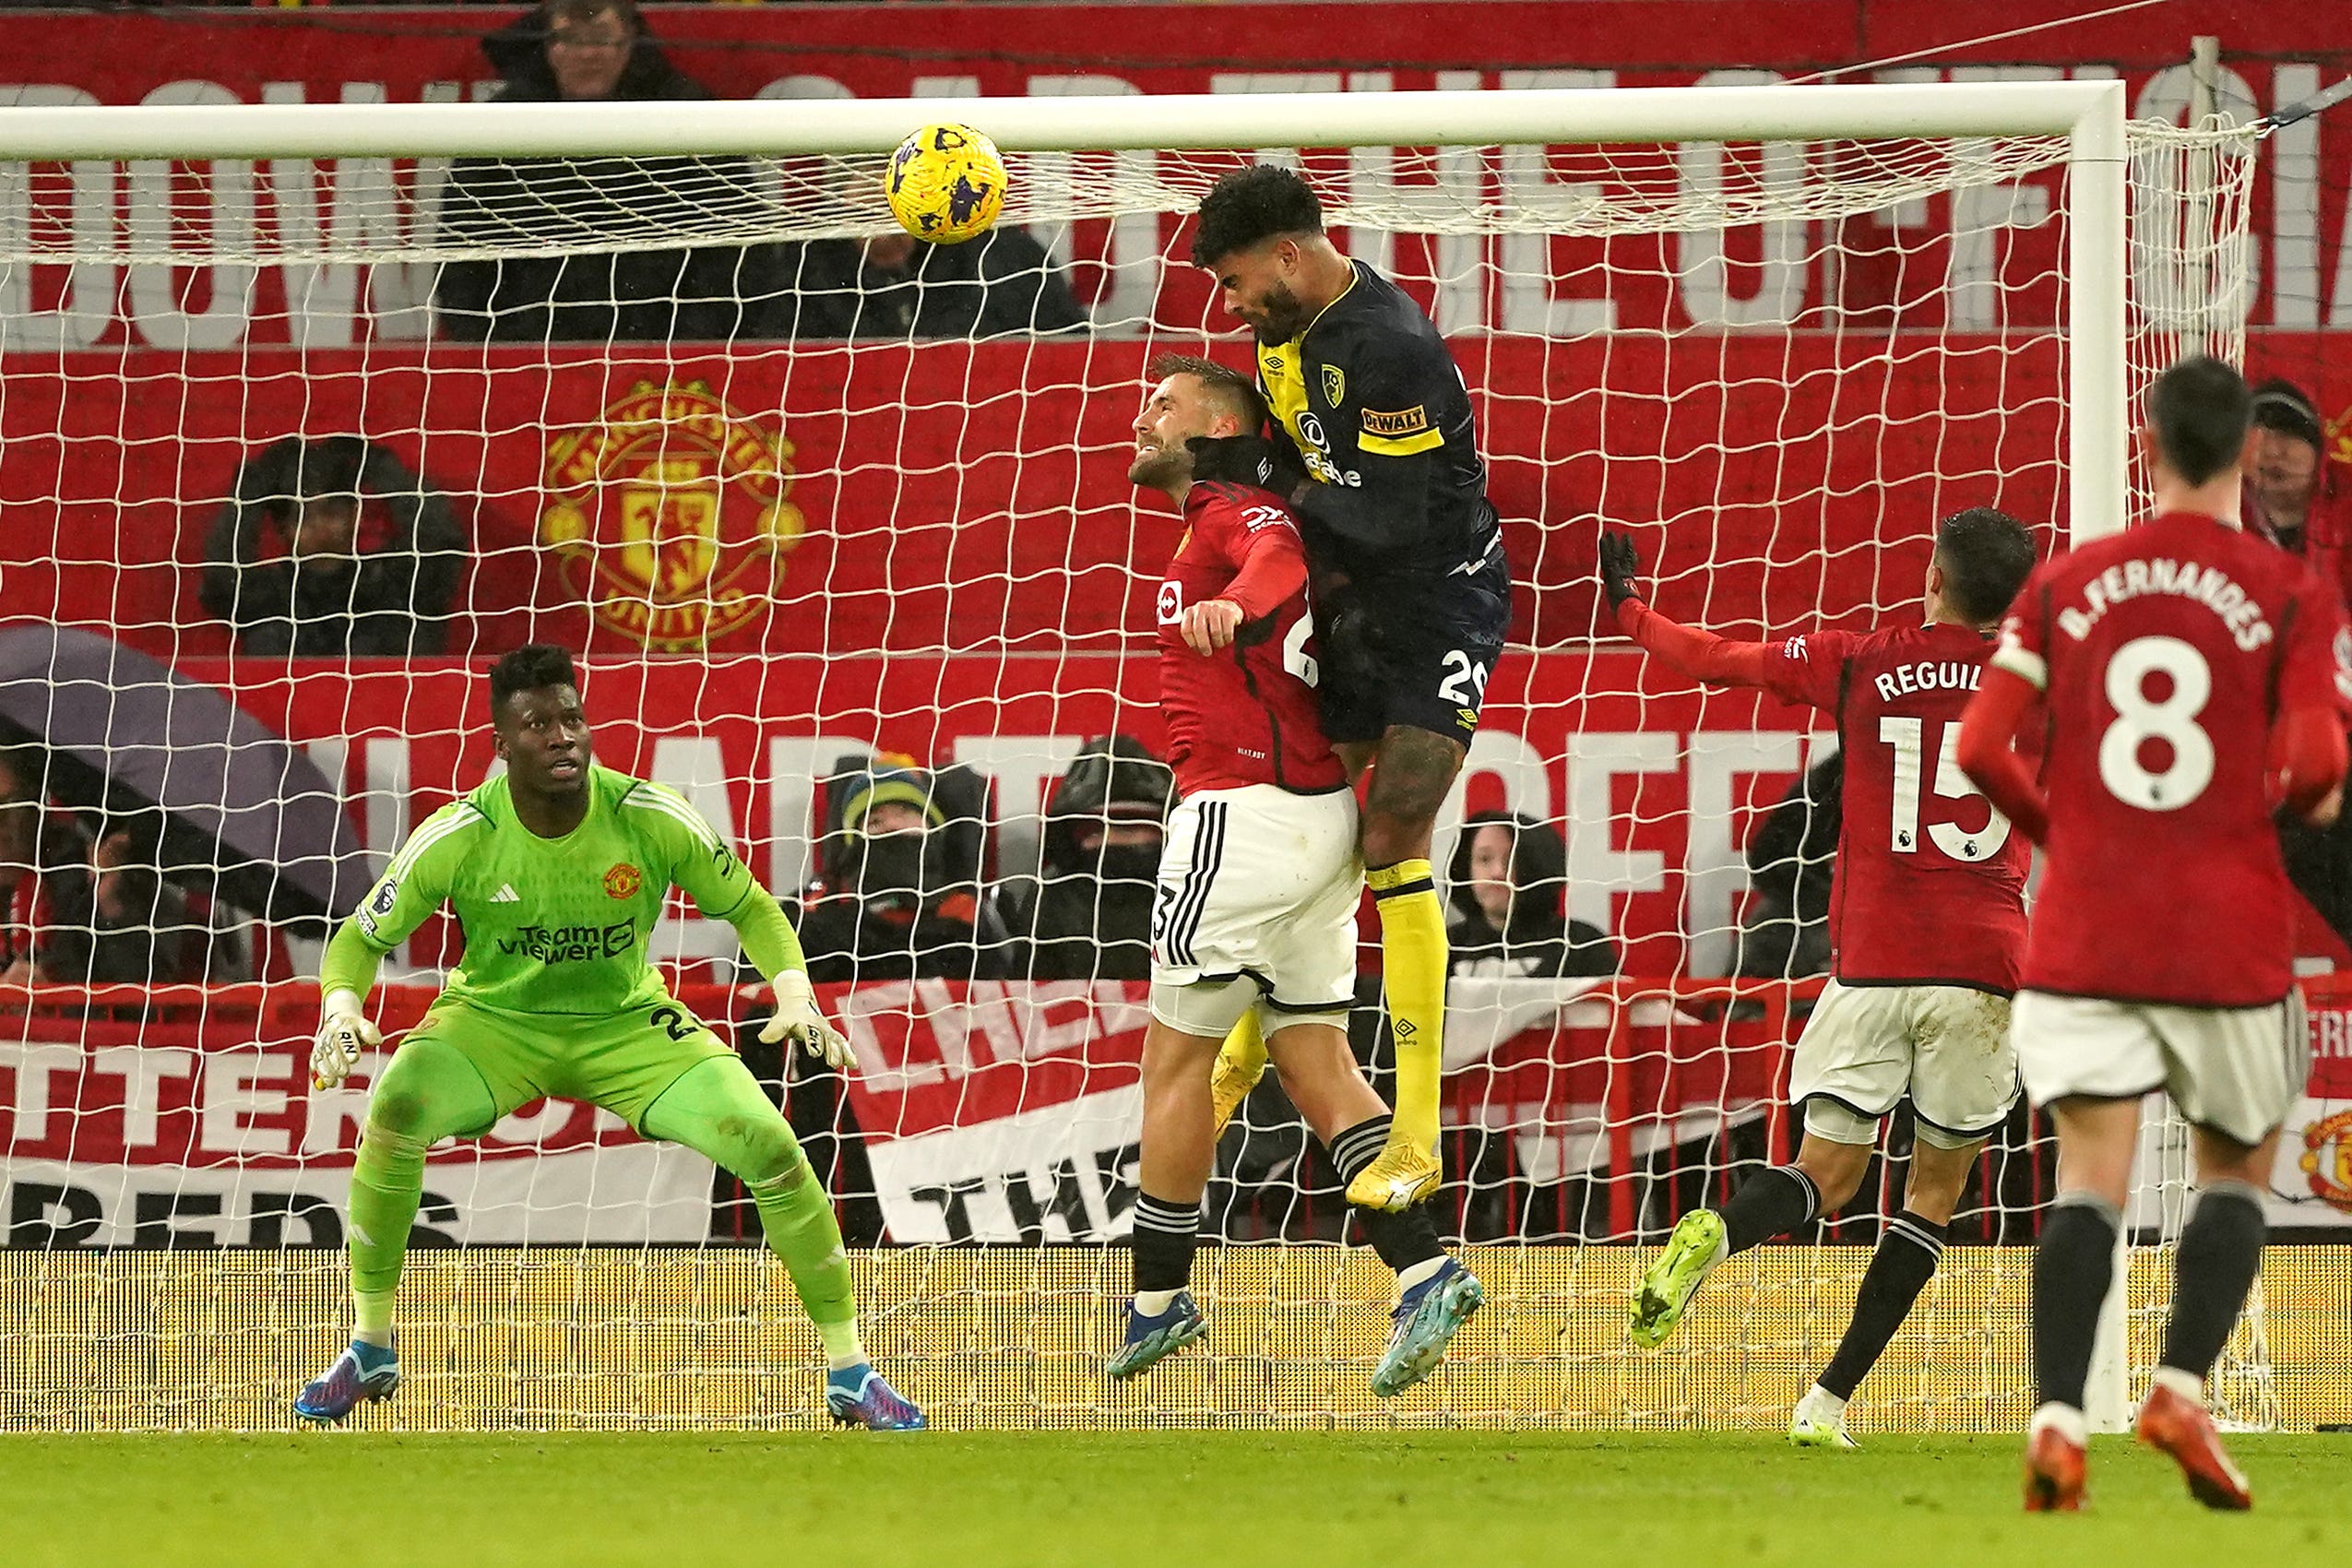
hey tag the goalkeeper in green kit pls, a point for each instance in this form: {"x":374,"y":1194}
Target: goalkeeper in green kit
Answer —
{"x":557,"y":872}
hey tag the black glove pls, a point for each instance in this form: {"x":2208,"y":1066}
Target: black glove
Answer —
{"x":1618,"y":565}
{"x":1238,"y":459}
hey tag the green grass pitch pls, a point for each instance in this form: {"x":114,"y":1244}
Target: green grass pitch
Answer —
{"x":331,"y":1500}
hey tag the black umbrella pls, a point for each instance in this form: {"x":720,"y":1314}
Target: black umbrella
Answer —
{"x":242,"y":810}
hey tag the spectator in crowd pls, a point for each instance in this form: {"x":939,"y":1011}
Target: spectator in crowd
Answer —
{"x":896,"y":286}
{"x":332,"y":547}
{"x":590,"y":51}
{"x":901,"y":897}
{"x":1508,"y":886}
{"x":1792,"y":861}
{"x":2287,"y":492}
{"x":74,"y":911}
{"x":1086,"y":915}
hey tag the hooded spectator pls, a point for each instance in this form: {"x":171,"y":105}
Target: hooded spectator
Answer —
{"x":1792,"y":861}
{"x":1087,"y":913}
{"x":333,"y":548}
{"x":900,"y":896}
{"x":1508,"y":887}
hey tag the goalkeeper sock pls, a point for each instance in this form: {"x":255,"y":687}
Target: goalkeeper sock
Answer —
{"x":797,"y":1216}
{"x":2072,"y":1270}
{"x":1406,"y":1241}
{"x":2220,"y":1251}
{"x":1164,"y":1236}
{"x":387,"y":1180}
{"x":1908,"y":1250}
{"x":1413,"y":960}
{"x":1773,"y":1203}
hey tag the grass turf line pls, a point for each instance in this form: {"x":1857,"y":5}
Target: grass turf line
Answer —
{"x":972,"y":1499}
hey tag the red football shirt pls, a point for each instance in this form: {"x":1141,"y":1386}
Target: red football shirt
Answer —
{"x":1245,"y":713}
{"x":2165,"y":653}
{"x":1930,"y":887}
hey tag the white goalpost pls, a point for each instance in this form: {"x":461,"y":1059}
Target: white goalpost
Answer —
{"x":1779,"y":330}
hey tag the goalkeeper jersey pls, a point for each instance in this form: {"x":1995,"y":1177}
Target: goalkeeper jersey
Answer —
{"x":557,"y":925}
{"x":1370,"y":395}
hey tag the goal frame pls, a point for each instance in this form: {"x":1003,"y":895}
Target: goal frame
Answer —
{"x":2091,"y":115}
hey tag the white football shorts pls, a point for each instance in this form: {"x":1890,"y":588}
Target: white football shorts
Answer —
{"x":2235,"y":1070}
{"x":1259,"y":886}
{"x":1867,"y":1046}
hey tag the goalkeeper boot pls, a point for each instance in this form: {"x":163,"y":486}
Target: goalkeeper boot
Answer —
{"x":858,"y":1397}
{"x":1237,"y":1072}
{"x":1691,"y":1255}
{"x":2180,"y":1426}
{"x":2054,"y":1465}
{"x":1152,"y":1339}
{"x":1426,"y":1319}
{"x":1819,"y":1421}
{"x":362,"y":1372}
{"x":1399,"y":1176}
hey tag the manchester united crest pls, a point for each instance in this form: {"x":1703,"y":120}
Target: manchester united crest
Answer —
{"x":2326,"y":1160}
{"x":668,"y":516}
{"x":623,"y":881}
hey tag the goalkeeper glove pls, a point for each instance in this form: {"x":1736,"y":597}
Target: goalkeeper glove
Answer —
{"x":1238,"y":459}
{"x":1618,"y":565}
{"x":342,"y":1035}
{"x":798,"y":1020}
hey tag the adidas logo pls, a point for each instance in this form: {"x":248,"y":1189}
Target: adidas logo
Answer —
{"x":506,"y":895}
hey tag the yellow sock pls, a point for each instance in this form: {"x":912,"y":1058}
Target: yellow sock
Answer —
{"x":1244,"y":1048}
{"x":1240,"y":1062}
{"x":1413,"y":959}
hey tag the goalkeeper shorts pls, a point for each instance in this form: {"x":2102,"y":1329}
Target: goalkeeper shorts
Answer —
{"x":1262,"y":884}
{"x":619,"y":1060}
{"x":1868,"y":1045}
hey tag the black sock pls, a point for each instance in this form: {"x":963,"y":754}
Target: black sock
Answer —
{"x":2220,"y":1251}
{"x":1401,"y":1240}
{"x":1164,"y":1238}
{"x":1908,"y":1250}
{"x":2071,"y":1269}
{"x":1771,"y":1204}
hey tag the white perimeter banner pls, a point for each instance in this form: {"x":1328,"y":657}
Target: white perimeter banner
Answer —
{"x":154,"y":1135}
{"x":1000,"y":1111}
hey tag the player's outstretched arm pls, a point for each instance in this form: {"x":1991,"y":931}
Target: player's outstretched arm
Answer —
{"x":1689,"y":651}
{"x":2307,"y":764}
{"x":1985,"y":755}
{"x":723,"y":887}
{"x":413,"y":885}
{"x":345,"y":976}
{"x":774,"y":947}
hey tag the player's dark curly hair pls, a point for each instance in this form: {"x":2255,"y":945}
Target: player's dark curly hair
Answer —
{"x":1247,"y":205}
{"x":528,"y":668}
{"x":2199,"y":409}
{"x":1987,"y":556}
{"x":1228,"y":387}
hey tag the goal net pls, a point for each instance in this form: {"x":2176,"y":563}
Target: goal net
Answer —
{"x":309,"y":412}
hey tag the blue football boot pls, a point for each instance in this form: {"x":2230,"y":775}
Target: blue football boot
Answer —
{"x":858,"y":1397}
{"x":1426,"y":1319}
{"x":362,"y":1372}
{"x":1151,"y":1339}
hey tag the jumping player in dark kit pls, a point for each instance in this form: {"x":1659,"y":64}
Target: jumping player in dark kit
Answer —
{"x":1258,"y":885}
{"x":1413,"y":593}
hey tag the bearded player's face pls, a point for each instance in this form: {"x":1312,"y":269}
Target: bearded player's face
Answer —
{"x":543,"y":735}
{"x":1254,"y":286}
{"x":1173,"y":412}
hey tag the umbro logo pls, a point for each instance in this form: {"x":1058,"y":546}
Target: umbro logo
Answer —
{"x":506,"y":895}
